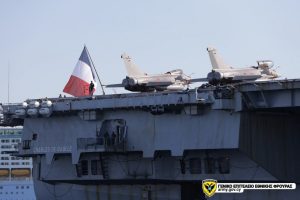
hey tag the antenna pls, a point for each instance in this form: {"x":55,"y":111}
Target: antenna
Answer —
{"x":103,"y":92}
{"x":8,"y":80}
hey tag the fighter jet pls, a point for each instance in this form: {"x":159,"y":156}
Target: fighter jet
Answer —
{"x":223,"y":73}
{"x":136,"y":80}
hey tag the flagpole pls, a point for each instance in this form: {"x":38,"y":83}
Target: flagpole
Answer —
{"x":103,"y":92}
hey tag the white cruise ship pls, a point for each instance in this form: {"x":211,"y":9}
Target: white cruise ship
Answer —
{"x":15,"y":172}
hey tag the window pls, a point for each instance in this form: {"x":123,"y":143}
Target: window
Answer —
{"x":6,"y":146}
{"x":14,"y":163}
{"x":34,"y":136}
{"x":4,"y":158}
{"x":82,"y":168}
{"x":224,"y":165}
{"x":26,"y":144}
{"x":195,"y":165}
{"x":210,"y":165}
{"x":96,"y":167}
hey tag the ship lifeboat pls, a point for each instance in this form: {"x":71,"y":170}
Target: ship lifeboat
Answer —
{"x":4,"y":172}
{"x":20,"y":172}
{"x":46,"y":112}
{"x":20,"y":112}
{"x":32,"y":112}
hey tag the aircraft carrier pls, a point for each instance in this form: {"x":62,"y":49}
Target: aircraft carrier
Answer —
{"x":161,"y":145}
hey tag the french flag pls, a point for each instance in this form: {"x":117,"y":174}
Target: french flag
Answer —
{"x":82,"y":77}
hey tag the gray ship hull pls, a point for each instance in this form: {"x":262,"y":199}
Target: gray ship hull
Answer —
{"x":138,"y":192}
{"x":162,"y":145}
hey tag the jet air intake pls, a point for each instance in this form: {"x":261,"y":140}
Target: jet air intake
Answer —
{"x":129,"y":82}
{"x":214,"y":76}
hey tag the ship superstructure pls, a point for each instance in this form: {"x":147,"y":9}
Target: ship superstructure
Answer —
{"x":161,"y":145}
{"x":15,"y":172}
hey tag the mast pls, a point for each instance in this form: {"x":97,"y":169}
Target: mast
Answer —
{"x":103,"y":92}
{"x":8,"y":80}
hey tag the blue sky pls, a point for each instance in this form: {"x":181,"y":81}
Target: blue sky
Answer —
{"x":41,"y":41}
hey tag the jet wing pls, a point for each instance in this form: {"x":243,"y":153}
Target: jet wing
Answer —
{"x":194,"y":80}
{"x":248,"y":77}
{"x":151,"y":84}
{"x":114,"y":85}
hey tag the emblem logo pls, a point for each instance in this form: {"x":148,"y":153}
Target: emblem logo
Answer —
{"x":209,"y":187}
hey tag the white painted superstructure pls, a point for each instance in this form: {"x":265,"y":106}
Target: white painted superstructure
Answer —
{"x":15,"y":172}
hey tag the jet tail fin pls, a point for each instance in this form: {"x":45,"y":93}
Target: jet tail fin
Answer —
{"x":132,"y":69}
{"x":216,"y":61}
